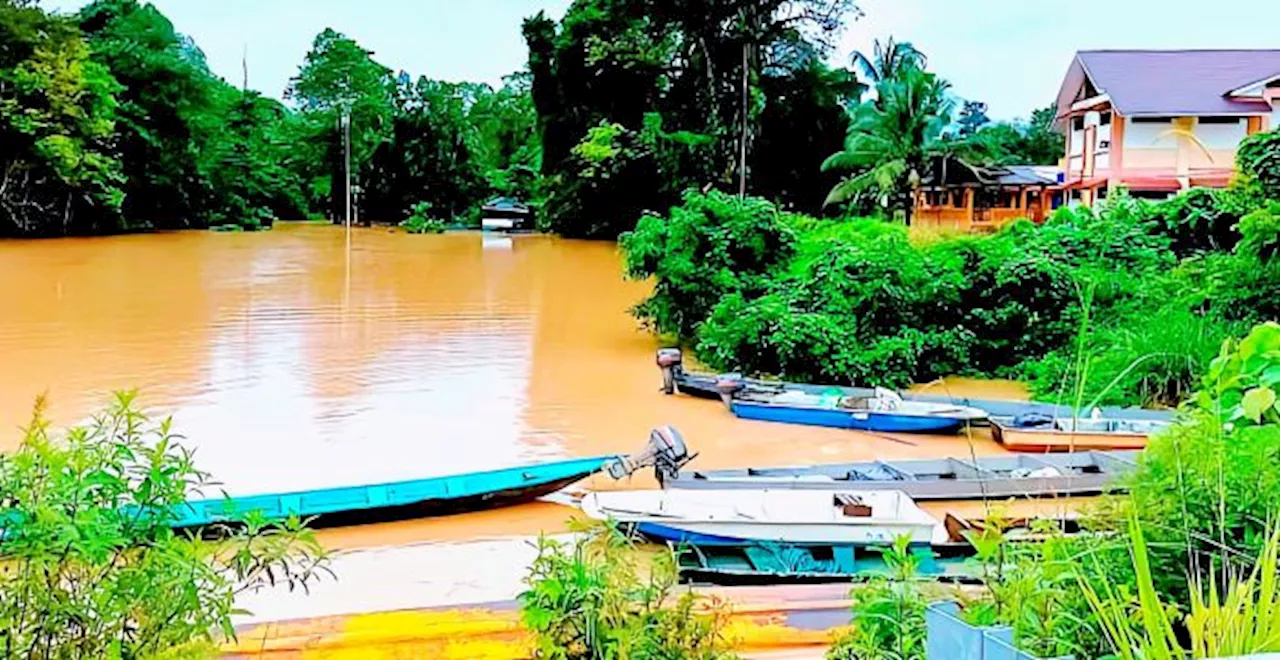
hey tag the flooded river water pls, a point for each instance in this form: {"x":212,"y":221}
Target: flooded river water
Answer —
{"x":292,"y":360}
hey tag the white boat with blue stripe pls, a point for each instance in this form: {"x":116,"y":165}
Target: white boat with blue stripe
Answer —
{"x":743,"y":517}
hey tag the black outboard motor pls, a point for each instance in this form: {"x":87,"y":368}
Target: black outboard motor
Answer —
{"x":670,"y":361}
{"x":666,"y":452}
{"x":728,"y":385}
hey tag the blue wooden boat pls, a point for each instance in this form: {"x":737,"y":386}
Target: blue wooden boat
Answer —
{"x":881,"y":411}
{"x":676,"y":379}
{"x":860,"y":420}
{"x":398,"y":500}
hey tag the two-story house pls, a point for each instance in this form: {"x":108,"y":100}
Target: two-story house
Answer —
{"x":1157,"y":122}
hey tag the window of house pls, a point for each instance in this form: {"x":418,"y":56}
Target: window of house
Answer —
{"x":957,"y":199}
{"x":1106,"y":119}
{"x":1077,"y":123}
{"x":1151,"y":120}
{"x":1219,"y":120}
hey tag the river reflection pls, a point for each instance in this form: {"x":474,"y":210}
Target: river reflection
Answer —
{"x":292,"y":361}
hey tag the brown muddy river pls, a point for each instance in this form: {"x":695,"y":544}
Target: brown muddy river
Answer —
{"x":291,"y":362}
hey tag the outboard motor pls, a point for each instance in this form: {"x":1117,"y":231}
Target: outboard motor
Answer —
{"x":666,"y":452}
{"x":670,"y":361}
{"x":728,"y":385}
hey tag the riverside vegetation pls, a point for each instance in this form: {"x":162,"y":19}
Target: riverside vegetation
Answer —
{"x":89,"y":566}
{"x":1157,"y":287}
{"x":113,"y":121}
{"x":1184,"y":566}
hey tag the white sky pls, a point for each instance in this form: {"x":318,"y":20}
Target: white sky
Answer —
{"x":1010,"y":53}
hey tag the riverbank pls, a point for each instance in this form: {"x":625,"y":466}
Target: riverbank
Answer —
{"x":763,"y":622}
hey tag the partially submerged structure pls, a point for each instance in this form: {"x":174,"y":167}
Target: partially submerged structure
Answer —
{"x":506,"y":214}
{"x":955,"y":195}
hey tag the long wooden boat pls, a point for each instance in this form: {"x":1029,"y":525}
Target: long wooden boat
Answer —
{"x":1074,"y":434}
{"x":743,"y":517}
{"x":772,"y":563}
{"x":676,"y":379}
{"x":882,"y":411}
{"x":997,"y":477}
{"x":398,"y":500}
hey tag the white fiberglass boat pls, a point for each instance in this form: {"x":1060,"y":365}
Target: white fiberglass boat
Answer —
{"x":738,"y":517}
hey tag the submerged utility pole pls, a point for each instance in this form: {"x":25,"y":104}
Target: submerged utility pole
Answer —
{"x":346,"y":150}
{"x":746,"y":117}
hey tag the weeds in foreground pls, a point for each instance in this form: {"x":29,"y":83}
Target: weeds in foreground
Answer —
{"x":597,"y":598}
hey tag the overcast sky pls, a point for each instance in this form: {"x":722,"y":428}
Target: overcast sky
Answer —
{"x":1010,"y":53}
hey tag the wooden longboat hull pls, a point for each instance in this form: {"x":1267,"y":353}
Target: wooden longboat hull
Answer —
{"x":859,"y":420}
{"x":399,"y":500}
{"x":1084,"y":473}
{"x":1055,"y":440}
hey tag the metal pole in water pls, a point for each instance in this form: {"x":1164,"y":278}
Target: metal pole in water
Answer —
{"x":346,"y":192}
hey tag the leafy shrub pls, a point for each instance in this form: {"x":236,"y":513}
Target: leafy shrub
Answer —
{"x":1033,"y":588}
{"x":1259,"y":159}
{"x":1212,"y":481}
{"x":888,"y":612}
{"x":91,"y":568}
{"x":421,"y":222}
{"x":1152,"y":357}
{"x":1260,"y":230}
{"x":1239,"y":619}
{"x":711,"y":246}
{"x":593,"y":598}
{"x":1201,"y":219}
{"x":858,"y":312}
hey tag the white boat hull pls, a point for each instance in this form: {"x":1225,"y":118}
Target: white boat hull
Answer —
{"x":735,"y":517}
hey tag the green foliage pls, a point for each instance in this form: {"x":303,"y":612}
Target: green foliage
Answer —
{"x":1033,"y":142}
{"x":421,"y":222}
{"x":888,"y":611}
{"x":1151,"y":357}
{"x":1209,"y":484}
{"x":594,"y":599}
{"x":710,"y":247}
{"x":891,"y":138}
{"x":1202,"y":219}
{"x":1241,"y":381}
{"x":727,"y":72}
{"x":57,"y":114}
{"x":90,"y":566}
{"x":1237,"y":620}
{"x":1258,"y":158}
{"x":1260,"y":233}
{"x":1033,"y":588}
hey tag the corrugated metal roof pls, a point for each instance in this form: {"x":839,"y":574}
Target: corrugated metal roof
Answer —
{"x":1027,"y":175}
{"x":1172,"y":82}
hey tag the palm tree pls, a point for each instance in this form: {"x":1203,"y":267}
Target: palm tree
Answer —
{"x":891,"y":139}
{"x":888,"y":60}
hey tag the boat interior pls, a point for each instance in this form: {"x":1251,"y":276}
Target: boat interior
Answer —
{"x":1080,"y":463}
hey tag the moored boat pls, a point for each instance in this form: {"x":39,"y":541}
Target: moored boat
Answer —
{"x":882,"y":411}
{"x":1041,"y":434}
{"x":739,"y":517}
{"x":1083,"y":473}
{"x":398,"y":500}
{"x":773,"y":563}
{"x":676,"y":379}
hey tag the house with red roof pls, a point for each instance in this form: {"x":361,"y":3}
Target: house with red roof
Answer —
{"x":1157,"y":122}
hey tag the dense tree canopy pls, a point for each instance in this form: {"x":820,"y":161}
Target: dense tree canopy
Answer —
{"x":715,"y":76}
{"x":112,"y":121}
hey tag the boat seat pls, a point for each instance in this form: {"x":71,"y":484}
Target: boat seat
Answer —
{"x":852,"y":506}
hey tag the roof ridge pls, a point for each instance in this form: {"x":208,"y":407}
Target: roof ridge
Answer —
{"x":1180,"y":50}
